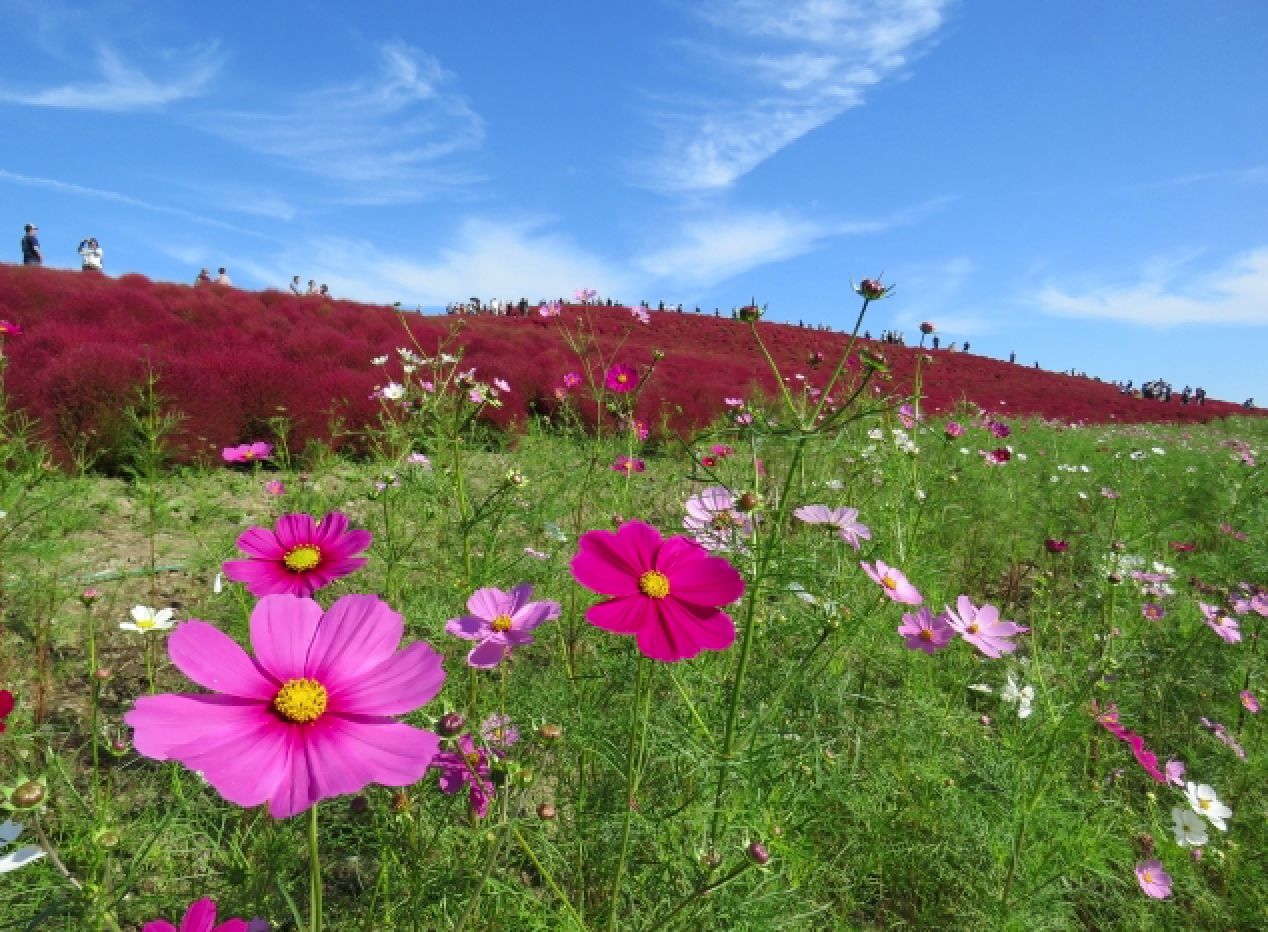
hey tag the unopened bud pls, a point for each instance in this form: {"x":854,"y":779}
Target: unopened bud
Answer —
{"x":748,"y":501}
{"x":546,"y":811}
{"x":400,"y":801}
{"x":358,"y":804}
{"x":28,"y":795}
{"x":757,"y":851}
{"x":549,"y":732}
{"x":449,"y":725}
{"x":119,"y":745}
{"x":103,"y":673}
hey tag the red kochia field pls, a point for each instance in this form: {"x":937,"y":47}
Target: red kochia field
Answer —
{"x":231,"y":359}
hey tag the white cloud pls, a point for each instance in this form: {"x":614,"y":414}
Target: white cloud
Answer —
{"x":381,"y":136}
{"x":78,"y":189}
{"x":792,"y":66}
{"x":506,"y":260}
{"x":1234,"y":294}
{"x":126,"y":87}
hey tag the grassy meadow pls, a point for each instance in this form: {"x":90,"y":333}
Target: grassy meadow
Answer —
{"x":818,"y":773}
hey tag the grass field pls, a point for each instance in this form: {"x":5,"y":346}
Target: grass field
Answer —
{"x":816,"y":773}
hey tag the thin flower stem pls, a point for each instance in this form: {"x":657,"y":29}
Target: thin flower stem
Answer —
{"x":705,"y":890}
{"x":632,"y":774}
{"x":314,"y":887}
{"x":495,"y":851}
{"x":550,"y":881}
{"x":841,"y":363}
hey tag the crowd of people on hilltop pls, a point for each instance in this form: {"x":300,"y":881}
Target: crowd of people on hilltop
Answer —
{"x":1162,"y":390}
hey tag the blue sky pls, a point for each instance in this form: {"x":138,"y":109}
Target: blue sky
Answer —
{"x":1083,"y":183}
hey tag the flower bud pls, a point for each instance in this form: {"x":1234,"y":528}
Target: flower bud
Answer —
{"x":549,"y":732}
{"x":758,"y":853}
{"x":108,"y":837}
{"x":527,"y":777}
{"x":400,"y":801}
{"x":926,"y":328}
{"x":711,"y":859}
{"x":119,"y":746}
{"x":89,"y":596}
{"x":748,"y":501}
{"x":546,"y":812}
{"x":658,"y":355}
{"x":358,"y":804}
{"x":871,"y":289}
{"x":751,"y":312}
{"x":28,"y":795}
{"x":450,"y":724}
{"x":1115,"y":578}
{"x":103,"y":673}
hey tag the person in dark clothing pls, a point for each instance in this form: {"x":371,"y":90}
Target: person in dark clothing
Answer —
{"x":1012,"y":357}
{"x":1200,"y":394}
{"x":966,"y":346}
{"x":31,"y":254}
{"x":936,"y":341}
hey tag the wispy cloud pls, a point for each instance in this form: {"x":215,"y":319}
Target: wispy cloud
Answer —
{"x":791,"y":66}
{"x":711,"y":249}
{"x":506,"y":259}
{"x":384,"y":137}
{"x":78,"y":189}
{"x":1234,"y":294}
{"x":123,"y":86}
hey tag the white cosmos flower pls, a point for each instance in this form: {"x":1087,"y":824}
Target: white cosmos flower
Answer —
{"x":1159,"y":450}
{"x":875,"y":434}
{"x":379,"y":360}
{"x":146,"y":619}
{"x":980,"y":688}
{"x":1206,"y":804}
{"x":9,"y":831}
{"x":1188,"y":827}
{"x":835,"y":485}
{"x":1021,"y":457}
{"x":218,"y":584}
{"x":1023,"y":697}
{"x":395,"y":391}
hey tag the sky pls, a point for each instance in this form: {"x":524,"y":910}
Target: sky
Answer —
{"x":1082,"y":183}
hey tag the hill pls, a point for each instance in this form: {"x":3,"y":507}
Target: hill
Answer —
{"x":230,"y":360}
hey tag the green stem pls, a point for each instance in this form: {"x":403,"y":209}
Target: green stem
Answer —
{"x":632,"y":774}
{"x":495,"y":850}
{"x":314,"y":887}
{"x":550,"y":881}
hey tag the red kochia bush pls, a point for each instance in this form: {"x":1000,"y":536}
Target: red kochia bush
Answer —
{"x":230,"y":360}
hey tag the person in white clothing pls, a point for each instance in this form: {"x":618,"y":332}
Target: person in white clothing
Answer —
{"x":223,"y":277}
{"x":90,"y":254}
{"x":296,"y":287}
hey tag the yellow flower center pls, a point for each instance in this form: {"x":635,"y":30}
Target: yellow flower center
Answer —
{"x":302,"y":558}
{"x":723,"y":520}
{"x":501,"y":623}
{"x":889,"y":582}
{"x":300,"y":701}
{"x":974,"y":628}
{"x":472,"y":759}
{"x":622,"y":378}
{"x":926,"y":634}
{"x":1204,"y":803}
{"x":654,"y":584}
{"x":1149,"y":878}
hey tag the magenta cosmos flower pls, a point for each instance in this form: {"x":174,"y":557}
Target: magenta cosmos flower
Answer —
{"x":982,"y":628}
{"x":500,"y":621}
{"x":953,"y":429}
{"x":571,"y":380}
{"x":666,"y":592}
{"x":1155,"y":881}
{"x":714,"y":521}
{"x":468,"y":765}
{"x":201,"y":917}
{"x":309,"y":716}
{"x":9,"y":329}
{"x":845,"y":520}
{"x":247,"y":452}
{"x":926,"y":631}
{"x":299,"y":557}
{"x":1249,"y":701}
{"x":628,"y":464}
{"x":893,"y":583}
{"x":621,"y":378}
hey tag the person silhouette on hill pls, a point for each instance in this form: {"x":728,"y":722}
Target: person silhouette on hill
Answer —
{"x":90,"y":255}
{"x":31,"y":254}
{"x":204,"y":278}
{"x":223,"y":277}
{"x":296,"y":287}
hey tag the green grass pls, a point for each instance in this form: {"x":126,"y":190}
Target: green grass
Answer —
{"x":866,"y":769}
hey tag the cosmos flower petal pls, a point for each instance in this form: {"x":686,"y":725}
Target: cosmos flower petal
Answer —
{"x":468,"y":627}
{"x":620,"y":616}
{"x":404,"y":681}
{"x":487,"y":654}
{"x":282,"y":631}
{"x":215,"y":661}
{"x":704,"y":581}
{"x":680,"y":631}
{"x":602,"y":566}
{"x":356,"y":635}
{"x":489,"y":603}
{"x":260,"y":543}
{"x":533,"y":614}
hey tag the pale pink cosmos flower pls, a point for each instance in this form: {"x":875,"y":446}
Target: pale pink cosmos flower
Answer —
{"x":982,"y":628}
{"x":845,"y":520}
{"x":275,"y":488}
{"x":1153,"y":879}
{"x":502,"y":385}
{"x":733,"y":402}
{"x":1236,"y":535}
{"x":641,"y":315}
{"x":925,"y":631}
{"x":247,"y":452}
{"x":1174,"y":772}
{"x":571,"y":380}
{"x":550,"y":309}
{"x":500,"y":621}
{"x":953,"y":429}
{"x":311,"y":715}
{"x":1221,"y":623}
{"x":714,"y":521}
{"x":907,"y":414}
{"x":1249,"y":701}
{"x":893,"y":583}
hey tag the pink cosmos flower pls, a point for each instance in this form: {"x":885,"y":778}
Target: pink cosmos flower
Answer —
{"x":309,"y":717}
{"x":1147,"y":759}
{"x":1108,"y":492}
{"x":585,"y":294}
{"x":502,"y":385}
{"x":275,"y":488}
{"x":893,"y":583}
{"x":1174,"y":772}
{"x":953,"y":429}
{"x":1153,"y":879}
{"x":999,"y":429}
{"x":500,"y":621}
{"x":9,"y":329}
{"x":561,"y":394}
{"x":666,"y":592}
{"x":641,"y":315}
{"x":247,"y":452}
{"x":982,"y":628}
{"x":1236,"y":535}
{"x":298,"y":557}
{"x":999,"y":456}
{"x":571,"y":380}
{"x":1221,"y":623}
{"x":468,"y":766}
{"x":201,"y":917}
{"x":907,"y":414}
{"x":1222,"y":733}
{"x":550,"y":309}
{"x":1249,"y":701}
{"x":621,"y":378}
{"x":6,"y":706}
{"x":845,"y":520}
{"x":499,"y":733}
{"x":1182,"y":547}
{"x":722,"y":450}
{"x":1153,"y":611}
{"x":925,"y":631}
{"x":639,"y":430}
{"x":733,"y":402}
{"x":628,"y":464}
{"x":714,"y":521}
